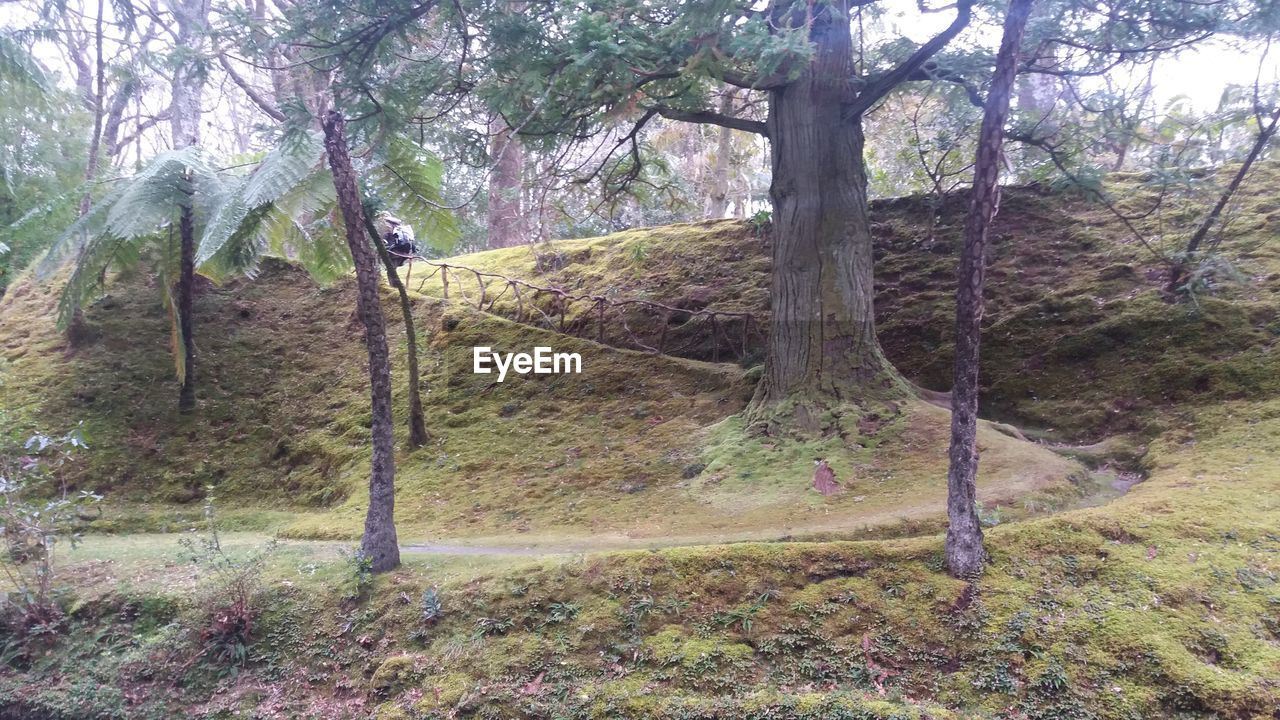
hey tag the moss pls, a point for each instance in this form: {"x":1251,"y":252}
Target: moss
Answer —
{"x":394,"y":674}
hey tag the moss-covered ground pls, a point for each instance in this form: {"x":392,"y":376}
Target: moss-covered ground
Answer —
{"x":1162,"y":602}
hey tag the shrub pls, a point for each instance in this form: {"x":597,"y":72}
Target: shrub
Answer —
{"x":31,"y":526}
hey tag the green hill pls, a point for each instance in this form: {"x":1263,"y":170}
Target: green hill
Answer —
{"x":1162,"y":602}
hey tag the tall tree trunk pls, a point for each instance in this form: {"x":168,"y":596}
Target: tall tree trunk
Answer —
{"x":186,"y":278}
{"x":78,"y":330}
{"x":506,"y":227}
{"x":718,"y":195}
{"x":418,"y":435}
{"x":379,"y":541}
{"x":822,"y":355}
{"x":187,"y":87}
{"x":964,"y":552}
{"x":1177,"y":274}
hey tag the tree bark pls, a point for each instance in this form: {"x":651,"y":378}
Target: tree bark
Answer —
{"x":718,"y":197}
{"x":822,"y":352}
{"x":379,"y":542}
{"x":186,"y":280}
{"x":418,"y":435}
{"x":964,"y":551}
{"x":187,"y":85}
{"x":505,"y":219}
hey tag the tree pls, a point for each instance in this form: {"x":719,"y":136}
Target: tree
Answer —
{"x":175,"y":190}
{"x":598,"y":73}
{"x":378,"y":543}
{"x":191,"y":17}
{"x":506,"y":181}
{"x":822,"y":351}
{"x":964,"y":551}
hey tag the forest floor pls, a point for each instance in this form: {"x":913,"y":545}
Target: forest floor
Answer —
{"x":1131,"y":517}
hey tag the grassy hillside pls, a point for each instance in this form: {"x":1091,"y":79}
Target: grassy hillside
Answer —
{"x":1162,"y":602}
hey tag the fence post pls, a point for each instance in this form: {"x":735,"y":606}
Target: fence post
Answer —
{"x":444,"y":278}
{"x":715,"y":339}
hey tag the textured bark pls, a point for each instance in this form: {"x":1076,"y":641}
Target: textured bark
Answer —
{"x":186,"y":282}
{"x":187,"y":86}
{"x":964,"y":552}
{"x":822,"y":347}
{"x":379,"y":542}
{"x":505,"y":219}
{"x":418,"y":435}
{"x":718,"y":195}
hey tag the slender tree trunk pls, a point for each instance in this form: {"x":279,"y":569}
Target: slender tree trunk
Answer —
{"x":379,"y":542}
{"x":1177,"y":274}
{"x":78,"y":330}
{"x":506,"y":227}
{"x":418,"y":435}
{"x":187,"y":87}
{"x":186,"y":280}
{"x":964,"y":552}
{"x":822,"y":355}
{"x":718,"y":197}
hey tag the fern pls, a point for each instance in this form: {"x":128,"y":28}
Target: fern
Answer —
{"x":408,"y":180}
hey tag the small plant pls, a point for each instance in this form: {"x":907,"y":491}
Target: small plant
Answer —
{"x":432,"y":608}
{"x":561,"y":612}
{"x":486,"y":626}
{"x":638,"y":252}
{"x":361,"y":572}
{"x":232,"y":591}
{"x":31,"y":528}
{"x":760,"y":220}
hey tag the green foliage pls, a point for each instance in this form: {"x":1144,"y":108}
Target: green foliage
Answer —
{"x":232,"y":592}
{"x":34,"y":517}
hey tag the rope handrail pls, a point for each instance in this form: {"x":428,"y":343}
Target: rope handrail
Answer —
{"x":485,"y":278}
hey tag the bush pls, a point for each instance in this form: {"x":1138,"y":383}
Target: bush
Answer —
{"x":232,"y":592}
{"x":32,"y":525}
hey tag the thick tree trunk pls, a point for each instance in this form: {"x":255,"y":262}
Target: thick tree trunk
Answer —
{"x":506,"y":227}
{"x":418,"y":435}
{"x":964,"y":552}
{"x":506,"y":182}
{"x":379,"y":542}
{"x":822,"y":352}
{"x":718,"y":195}
{"x":186,"y":283}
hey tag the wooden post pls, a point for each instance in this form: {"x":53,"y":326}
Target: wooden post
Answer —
{"x":715,"y":339}
{"x":444,"y":278}
{"x":600,"y":315}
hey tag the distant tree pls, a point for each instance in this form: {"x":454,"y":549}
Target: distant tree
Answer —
{"x":506,"y":186}
{"x":964,"y":551}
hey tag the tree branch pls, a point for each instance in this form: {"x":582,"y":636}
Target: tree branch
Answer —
{"x":881,"y":86}
{"x":263,"y":104}
{"x":705,"y":117}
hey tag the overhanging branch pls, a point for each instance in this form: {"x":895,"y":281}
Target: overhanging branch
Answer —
{"x":706,"y":117}
{"x":878,"y":88}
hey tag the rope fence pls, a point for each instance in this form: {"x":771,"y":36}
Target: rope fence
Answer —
{"x":729,"y":331}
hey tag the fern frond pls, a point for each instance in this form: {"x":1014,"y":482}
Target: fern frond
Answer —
{"x":280,"y":173}
{"x":152,"y":197}
{"x":409,"y":180}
